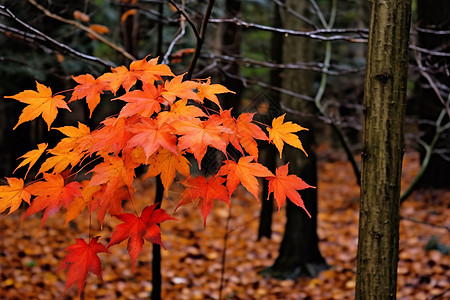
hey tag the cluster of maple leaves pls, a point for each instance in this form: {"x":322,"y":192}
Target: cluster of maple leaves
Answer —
{"x":161,"y":123}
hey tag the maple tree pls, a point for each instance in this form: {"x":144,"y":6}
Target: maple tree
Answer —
{"x":162,"y":123}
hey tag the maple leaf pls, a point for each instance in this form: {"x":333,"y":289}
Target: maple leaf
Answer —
{"x":40,"y":102}
{"x":70,"y":150}
{"x":166,"y":163}
{"x":197,"y":135}
{"x":11,"y":195}
{"x":138,"y":229}
{"x":179,"y":88}
{"x":81,"y":259}
{"x":283,"y":185}
{"x":113,"y":137}
{"x":206,"y":191}
{"x":146,"y":71}
{"x":209,"y":91}
{"x":31,"y":157}
{"x":281,"y":133}
{"x":117,"y":179}
{"x":179,"y":111}
{"x":150,"y":135}
{"x":90,"y":88}
{"x":143,"y":103}
{"x":50,"y":195}
{"x":244,"y":132}
{"x":244,"y":172}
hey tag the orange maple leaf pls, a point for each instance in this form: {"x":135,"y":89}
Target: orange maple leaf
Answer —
{"x":244,"y":132}
{"x":137,"y":229}
{"x":146,"y":71}
{"x":40,"y":102}
{"x":179,"y":88}
{"x":166,"y":163}
{"x":50,"y":195}
{"x":143,"y":103}
{"x":205,"y":191}
{"x":283,"y":185}
{"x":244,"y":172}
{"x":281,"y":133}
{"x":31,"y":157}
{"x":116,"y":180}
{"x":209,"y":91}
{"x":90,"y":88}
{"x":151,"y":135}
{"x":11,"y":195}
{"x":197,"y":135}
{"x":81,"y":259}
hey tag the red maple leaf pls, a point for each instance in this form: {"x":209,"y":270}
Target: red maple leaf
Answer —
{"x":138,"y":229}
{"x":283,"y":185}
{"x":206,"y":191}
{"x":81,"y":259}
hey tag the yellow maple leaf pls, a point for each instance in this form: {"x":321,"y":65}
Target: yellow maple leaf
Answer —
{"x":11,"y":195}
{"x":283,"y":132}
{"x":31,"y":157}
{"x":40,"y":102}
{"x":166,"y":163}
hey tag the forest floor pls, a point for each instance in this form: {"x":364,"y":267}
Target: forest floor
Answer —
{"x":192,"y":264}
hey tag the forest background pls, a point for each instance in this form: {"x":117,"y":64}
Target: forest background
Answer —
{"x":307,"y":60}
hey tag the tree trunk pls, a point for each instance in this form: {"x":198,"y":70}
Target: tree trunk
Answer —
{"x":434,"y":15}
{"x":384,"y":113}
{"x":299,"y":251}
{"x":267,"y":152}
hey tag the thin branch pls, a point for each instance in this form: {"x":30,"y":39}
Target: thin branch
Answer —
{"x":308,"y":66}
{"x":41,"y":36}
{"x":427,"y":51}
{"x":426,"y":160}
{"x":294,"y":13}
{"x":425,"y":223}
{"x":427,"y":76}
{"x":84,"y":28}
{"x":319,"y":34}
{"x":200,"y":39}
{"x":188,"y":19}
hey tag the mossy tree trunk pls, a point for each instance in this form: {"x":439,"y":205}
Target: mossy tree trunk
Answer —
{"x":383,"y":147}
{"x":299,"y":253}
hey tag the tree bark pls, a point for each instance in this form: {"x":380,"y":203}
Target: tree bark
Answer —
{"x":299,"y":253}
{"x":383,"y":147}
{"x":267,"y":151}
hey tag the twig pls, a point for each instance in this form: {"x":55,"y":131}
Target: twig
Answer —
{"x":427,"y":76}
{"x":188,"y":19}
{"x":308,"y":66}
{"x":318,"y":34}
{"x":426,"y":160}
{"x":425,"y":223}
{"x":224,"y":253}
{"x":200,"y":39}
{"x":84,"y":28}
{"x":62,"y":47}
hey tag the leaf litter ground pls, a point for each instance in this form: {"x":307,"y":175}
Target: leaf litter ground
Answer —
{"x":192,"y":264}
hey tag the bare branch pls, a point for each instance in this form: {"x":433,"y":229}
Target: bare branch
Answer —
{"x":41,"y":36}
{"x":360,"y":35}
{"x":84,"y":28}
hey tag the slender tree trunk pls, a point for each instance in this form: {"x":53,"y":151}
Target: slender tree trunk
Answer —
{"x":299,"y":251}
{"x":267,"y":153}
{"x":384,"y":112}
